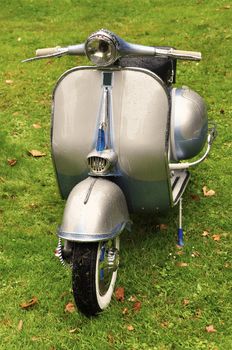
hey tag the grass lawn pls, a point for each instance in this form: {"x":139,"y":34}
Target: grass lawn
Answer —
{"x":182,"y":292}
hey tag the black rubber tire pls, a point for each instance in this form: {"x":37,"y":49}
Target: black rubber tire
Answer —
{"x":83,"y":278}
{"x":93,"y":282}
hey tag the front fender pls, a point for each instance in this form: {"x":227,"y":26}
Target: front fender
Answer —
{"x":96,"y":210}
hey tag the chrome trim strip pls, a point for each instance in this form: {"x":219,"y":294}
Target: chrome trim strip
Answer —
{"x":94,"y":237}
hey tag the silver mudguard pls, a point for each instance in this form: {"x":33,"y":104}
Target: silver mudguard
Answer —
{"x":96,"y":210}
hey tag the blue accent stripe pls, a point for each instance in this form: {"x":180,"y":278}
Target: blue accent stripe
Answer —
{"x":101,"y":144}
{"x":180,"y":237}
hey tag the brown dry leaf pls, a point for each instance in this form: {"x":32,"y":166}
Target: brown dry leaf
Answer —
{"x":36,"y":126}
{"x":216,"y":237}
{"x":210,"y":329}
{"x":130,"y":327}
{"x":182,"y":264}
{"x":164,"y":324}
{"x":179,"y":252}
{"x":205,"y":234}
{"x":163,"y":227}
{"x":110,"y":338}
{"x":29,"y":303}
{"x":9,"y":81}
{"x":36,"y":153}
{"x":120,"y":294}
{"x":12,"y":162}
{"x":35,"y":338}
{"x":70,"y":307}
{"x":185,"y":302}
{"x":194,"y":197}
{"x":195,"y":254}
{"x":137,"y":306}
{"x":208,"y":193}
{"x":125,"y":311}
{"x":20,"y":325}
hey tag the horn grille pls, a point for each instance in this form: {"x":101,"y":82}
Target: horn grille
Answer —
{"x":98,"y":165}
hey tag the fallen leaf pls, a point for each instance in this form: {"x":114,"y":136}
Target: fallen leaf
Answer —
{"x":182,"y":264}
{"x":210,"y":329}
{"x":36,"y":126}
{"x":120,"y":294}
{"x":130,"y":327}
{"x":11,"y":162}
{"x":29,"y":303}
{"x":137,"y":306}
{"x":163,"y":227}
{"x":198,"y":313}
{"x":125,"y":311}
{"x":8,"y":81}
{"x":36,"y":153}
{"x":20,"y":325}
{"x":179,"y":252}
{"x":226,"y":265}
{"x":205,"y":234}
{"x":195,"y":197}
{"x":132,"y":298}
{"x":35,"y":338}
{"x":185,"y":302}
{"x":70,"y":307}
{"x":195,"y":254}
{"x":226,"y":7}
{"x":216,"y":237}
{"x":208,"y":193}
{"x":110,"y":338}
{"x":73,"y":330}
{"x":164,"y":324}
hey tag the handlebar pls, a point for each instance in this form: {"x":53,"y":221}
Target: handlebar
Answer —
{"x":122,"y":47}
{"x":47,"y":51}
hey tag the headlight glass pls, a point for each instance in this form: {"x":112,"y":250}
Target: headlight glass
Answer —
{"x":101,"y":50}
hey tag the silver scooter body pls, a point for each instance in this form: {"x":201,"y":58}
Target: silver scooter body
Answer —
{"x":119,"y":135}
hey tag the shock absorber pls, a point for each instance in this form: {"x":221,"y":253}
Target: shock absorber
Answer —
{"x":58,"y":252}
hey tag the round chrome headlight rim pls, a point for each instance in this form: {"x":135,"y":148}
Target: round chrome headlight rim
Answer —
{"x":102,"y":48}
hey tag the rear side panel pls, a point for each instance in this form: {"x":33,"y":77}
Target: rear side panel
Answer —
{"x":139,"y":132}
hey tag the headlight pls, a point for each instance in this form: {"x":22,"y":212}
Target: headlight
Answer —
{"x":101,"y":48}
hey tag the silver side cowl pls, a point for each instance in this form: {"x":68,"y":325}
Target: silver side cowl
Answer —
{"x":189,"y":124}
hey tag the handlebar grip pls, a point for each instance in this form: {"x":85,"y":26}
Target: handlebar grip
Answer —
{"x":47,"y":51}
{"x":186,"y":55}
{"x":179,"y":54}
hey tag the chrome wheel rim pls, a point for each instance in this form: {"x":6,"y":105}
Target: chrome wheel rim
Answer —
{"x":107,"y":265}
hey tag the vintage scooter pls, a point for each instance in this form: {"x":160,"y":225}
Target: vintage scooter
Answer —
{"x":119,"y":134}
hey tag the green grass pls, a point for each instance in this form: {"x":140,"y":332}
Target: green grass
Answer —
{"x":31,"y":208}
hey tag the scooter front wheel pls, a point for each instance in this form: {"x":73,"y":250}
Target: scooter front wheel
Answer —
{"x":94,"y":274}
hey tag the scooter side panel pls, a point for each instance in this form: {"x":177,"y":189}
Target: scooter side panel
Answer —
{"x":75,"y":108}
{"x":140,"y":124}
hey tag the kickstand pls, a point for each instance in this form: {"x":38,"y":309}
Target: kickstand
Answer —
{"x":180,"y":229}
